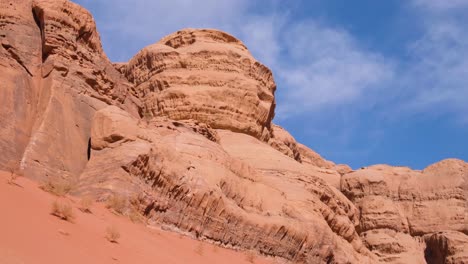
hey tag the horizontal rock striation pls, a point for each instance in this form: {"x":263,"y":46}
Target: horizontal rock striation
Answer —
{"x":446,"y":247}
{"x":57,"y":77}
{"x":204,"y":75}
{"x":407,"y":203}
{"x":180,"y":179}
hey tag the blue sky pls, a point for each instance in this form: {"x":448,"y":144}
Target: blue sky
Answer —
{"x":361,"y":82}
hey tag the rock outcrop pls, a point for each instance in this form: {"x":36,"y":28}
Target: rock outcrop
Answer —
{"x":20,"y":60}
{"x":447,"y":247}
{"x":184,"y":133}
{"x":282,"y":141}
{"x":56,"y":76}
{"x":182,"y":180}
{"x":205,"y":75}
{"x":398,"y":206}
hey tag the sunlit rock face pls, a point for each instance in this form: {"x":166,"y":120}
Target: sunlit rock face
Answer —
{"x":401,"y":208}
{"x":205,"y":75}
{"x":55,"y":76}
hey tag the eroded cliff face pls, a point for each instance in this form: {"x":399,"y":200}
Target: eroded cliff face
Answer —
{"x":56,"y":76}
{"x":20,"y":60}
{"x":401,"y":208}
{"x":184,"y":132}
{"x":225,"y":192}
{"x":206,"y":75}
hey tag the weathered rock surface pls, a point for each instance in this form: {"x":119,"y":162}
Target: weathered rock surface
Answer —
{"x":204,"y":75}
{"x":282,"y":141}
{"x":399,"y":202}
{"x":394,"y":247}
{"x":20,"y":59}
{"x":56,"y":76}
{"x":184,"y":132}
{"x":448,"y":247}
{"x":182,"y":180}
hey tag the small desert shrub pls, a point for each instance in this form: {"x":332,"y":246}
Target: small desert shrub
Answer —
{"x":13,"y":168}
{"x":85,"y":205}
{"x":112,"y":234}
{"x":250,"y":256}
{"x":199,"y":249}
{"x":136,"y":217}
{"x":58,"y":187}
{"x":135,"y":214}
{"x":63,"y":211}
{"x":117,"y":203}
{"x":12,"y":179}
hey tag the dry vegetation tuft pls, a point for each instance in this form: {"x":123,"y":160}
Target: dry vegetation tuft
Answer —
{"x":134,"y":213}
{"x":117,"y":203}
{"x":86,"y":204}
{"x":12,"y":179}
{"x":58,"y":187}
{"x":112,"y":234}
{"x":63,"y":211}
{"x":136,"y":217}
{"x":13,"y":168}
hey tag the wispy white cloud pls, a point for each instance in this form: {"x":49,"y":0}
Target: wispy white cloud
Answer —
{"x":126,"y":26}
{"x":440,"y":5}
{"x":317,"y":67}
{"x":262,"y":34}
{"x":436,"y":76}
{"x":326,"y":68}
{"x":333,"y":91}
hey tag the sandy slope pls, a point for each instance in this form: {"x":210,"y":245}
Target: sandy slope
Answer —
{"x":30,"y":234}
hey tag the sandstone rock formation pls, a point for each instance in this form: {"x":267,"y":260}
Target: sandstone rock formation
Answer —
{"x":207,"y":75}
{"x":56,"y":76}
{"x":20,"y":60}
{"x":281,"y":140}
{"x":184,"y":132}
{"x":446,"y":247}
{"x":184,"y":181}
{"x":398,"y":206}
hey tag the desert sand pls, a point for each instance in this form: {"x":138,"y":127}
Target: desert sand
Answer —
{"x":31,"y":234}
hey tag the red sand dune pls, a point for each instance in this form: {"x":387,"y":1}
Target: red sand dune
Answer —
{"x":30,"y":234}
